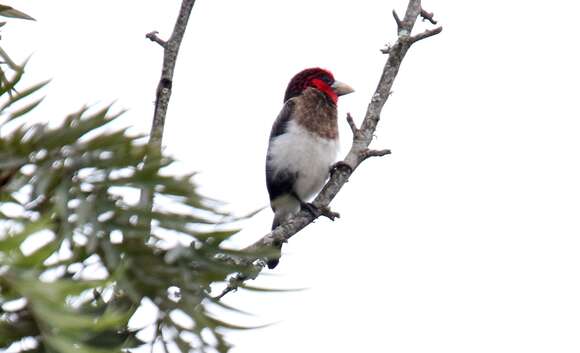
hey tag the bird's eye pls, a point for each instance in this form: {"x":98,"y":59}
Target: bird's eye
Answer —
{"x":327,"y":80}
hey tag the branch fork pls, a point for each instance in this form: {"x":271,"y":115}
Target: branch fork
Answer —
{"x":358,"y":135}
{"x":152,"y":36}
{"x":404,"y":29}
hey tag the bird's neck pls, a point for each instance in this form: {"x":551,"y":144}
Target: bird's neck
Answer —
{"x":317,"y":113}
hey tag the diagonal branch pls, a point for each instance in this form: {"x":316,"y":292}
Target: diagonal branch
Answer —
{"x":170,"y":51}
{"x":359,"y":150}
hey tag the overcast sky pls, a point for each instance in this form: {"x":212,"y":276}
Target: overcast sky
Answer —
{"x":465,"y":239}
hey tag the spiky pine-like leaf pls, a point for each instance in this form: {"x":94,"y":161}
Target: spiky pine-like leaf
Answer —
{"x":76,"y":183}
{"x":8,"y":11}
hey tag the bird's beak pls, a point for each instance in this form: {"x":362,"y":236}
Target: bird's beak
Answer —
{"x":341,"y":88}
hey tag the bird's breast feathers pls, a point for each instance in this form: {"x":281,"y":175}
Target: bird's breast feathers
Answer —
{"x":304,"y":153}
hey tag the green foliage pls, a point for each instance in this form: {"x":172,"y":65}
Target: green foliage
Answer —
{"x":5,"y":83}
{"x":77,"y":255}
{"x":8,"y":11}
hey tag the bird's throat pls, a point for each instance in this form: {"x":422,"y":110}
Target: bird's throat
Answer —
{"x":315,"y":112}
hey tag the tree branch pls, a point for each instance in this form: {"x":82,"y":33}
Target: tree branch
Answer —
{"x":170,"y":51}
{"x":352,"y":124}
{"x":426,"y":34}
{"x":397,"y":20}
{"x":152,"y":36}
{"x":362,"y":138}
{"x":428,"y":16}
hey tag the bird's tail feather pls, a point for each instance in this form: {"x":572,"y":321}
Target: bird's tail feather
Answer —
{"x":274,"y":259}
{"x":285,"y":207}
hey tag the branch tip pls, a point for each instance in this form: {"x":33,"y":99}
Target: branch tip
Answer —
{"x":233,"y":284}
{"x":374,"y":153}
{"x":152,"y":36}
{"x":351,"y":123}
{"x":398,"y":20}
{"x":426,"y":34}
{"x":428,"y":16}
{"x":386,"y":49}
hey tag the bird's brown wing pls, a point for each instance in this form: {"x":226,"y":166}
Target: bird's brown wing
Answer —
{"x":283,"y":181}
{"x":281,"y":122}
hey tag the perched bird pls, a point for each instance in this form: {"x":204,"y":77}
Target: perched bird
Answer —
{"x":303,"y":143}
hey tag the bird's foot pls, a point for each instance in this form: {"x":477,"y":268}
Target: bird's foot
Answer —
{"x":340,"y":164}
{"x":310,"y":208}
{"x":320,"y":211}
{"x":327,"y":212}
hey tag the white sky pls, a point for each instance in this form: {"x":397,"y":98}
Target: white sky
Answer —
{"x":466,"y":239}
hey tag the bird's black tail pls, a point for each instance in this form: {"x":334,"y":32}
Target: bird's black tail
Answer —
{"x":274,"y":259}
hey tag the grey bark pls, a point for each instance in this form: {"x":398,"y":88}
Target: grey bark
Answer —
{"x":163,"y":95}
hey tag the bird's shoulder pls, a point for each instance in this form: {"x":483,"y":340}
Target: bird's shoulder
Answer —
{"x":280,"y":125}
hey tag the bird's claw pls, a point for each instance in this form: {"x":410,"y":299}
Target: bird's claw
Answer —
{"x":320,"y":211}
{"x":340,"y":164}
{"x":327,"y":212}
{"x":310,"y":208}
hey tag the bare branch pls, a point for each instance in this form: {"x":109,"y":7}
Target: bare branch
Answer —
{"x":233,"y":284}
{"x":170,"y":51}
{"x":397,"y":20}
{"x":362,"y":138}
{"x":351,"y":123}
{"x":374,"y":153}
{"x":386,"y":49}
{"x":152,"y":36}
{"x":426,"y":34}
{"x":428,"y":16}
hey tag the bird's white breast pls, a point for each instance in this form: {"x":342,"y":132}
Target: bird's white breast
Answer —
{"x":306,"y":154}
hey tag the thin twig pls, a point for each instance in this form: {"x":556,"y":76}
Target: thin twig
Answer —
{"x":386,"y":49}
{"x":233,"y":284}
{"x":428,"y":16}
{"x":156,"y":333}
{"x":426,"y":34}
{"x":170,"y":51}
{"x":152,"y":36}
{"x":375,"y":153}
{"x":164,"y":344}
{"x":352,"y":124}
{"x":362,"y":138}
{"x":397,"y":20}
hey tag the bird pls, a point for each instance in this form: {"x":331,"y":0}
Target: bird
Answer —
{"x":303,"y":145}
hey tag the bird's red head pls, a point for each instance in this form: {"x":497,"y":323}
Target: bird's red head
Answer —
{"x":315,"y":77}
